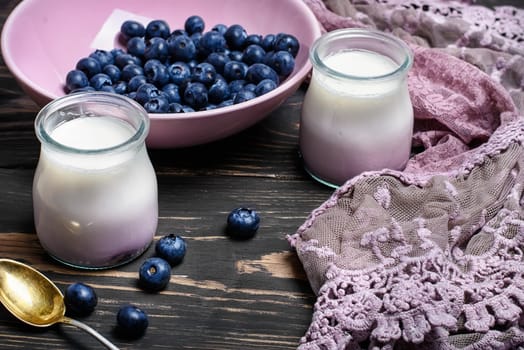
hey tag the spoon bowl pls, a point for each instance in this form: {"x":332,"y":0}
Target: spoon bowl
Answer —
{"x":38,"y":303}
{"x":36,"y":300}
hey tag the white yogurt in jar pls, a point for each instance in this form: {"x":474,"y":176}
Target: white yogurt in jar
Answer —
{"x":349,"y":126}
{"x":94,"y":210}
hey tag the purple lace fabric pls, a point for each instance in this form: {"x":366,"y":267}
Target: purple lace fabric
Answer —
{"x":491,"y":39}
{"x":431,"y":257}
{"x":404,"y":261}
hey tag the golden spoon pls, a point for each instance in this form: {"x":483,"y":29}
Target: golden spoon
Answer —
{"x":35,"y":300}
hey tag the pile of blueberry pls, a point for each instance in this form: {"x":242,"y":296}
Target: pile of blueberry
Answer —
{"x":187,"y":70}
{"x":155,"y":272}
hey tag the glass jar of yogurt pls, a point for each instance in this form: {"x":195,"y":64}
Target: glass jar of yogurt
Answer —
{"x":94,"y":190}
{"x":357,"y":114}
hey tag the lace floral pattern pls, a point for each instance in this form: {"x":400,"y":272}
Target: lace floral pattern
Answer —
{"x":491,"y":39}
{"x":501,"y":28}
{"x":420,"y":291}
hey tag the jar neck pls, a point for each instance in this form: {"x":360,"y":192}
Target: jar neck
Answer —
{"x":92,"y":104}
{"x":372,"y":42}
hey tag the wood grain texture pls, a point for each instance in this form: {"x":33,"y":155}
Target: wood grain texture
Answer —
{"x":226,"y":294}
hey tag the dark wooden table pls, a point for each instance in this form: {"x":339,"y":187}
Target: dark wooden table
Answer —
{"x":226,"y":294}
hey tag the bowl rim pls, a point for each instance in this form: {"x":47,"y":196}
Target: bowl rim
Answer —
{"x":296,"y":77}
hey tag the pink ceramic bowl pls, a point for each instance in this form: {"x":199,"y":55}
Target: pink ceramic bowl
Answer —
{"x":42,"y":40}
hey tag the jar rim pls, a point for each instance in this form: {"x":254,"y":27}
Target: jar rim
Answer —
{"x":138,"y":137}
{"x":372,"y":34}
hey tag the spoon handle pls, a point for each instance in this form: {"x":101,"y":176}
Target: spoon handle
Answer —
{"x":91,"y":331}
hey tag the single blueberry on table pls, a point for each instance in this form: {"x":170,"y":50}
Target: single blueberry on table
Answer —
{"x":98,"y":81}
{"x":130,"y":29}
{"x":131,"y":320}
{"x":171,"y":248}
{"x":76,"y":79}
{"x":89,"y":66}
{"x":80,"y":299}
{"x":157,"y":28}
{"x":154,"y":274}
{"x":194,"y":24}
{"x":242,"y":223}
